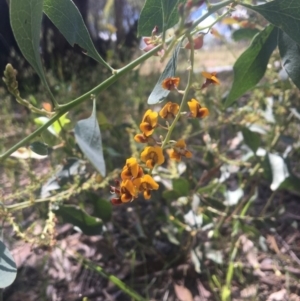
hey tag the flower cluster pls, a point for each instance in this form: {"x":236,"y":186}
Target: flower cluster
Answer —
{"x":136,"y":175}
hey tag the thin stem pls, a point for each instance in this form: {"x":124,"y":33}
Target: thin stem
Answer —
{"x":212,"y":9}
{"x":185,"y":95}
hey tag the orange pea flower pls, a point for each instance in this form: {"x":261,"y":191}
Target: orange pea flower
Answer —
{"x":179,"y":150}
{"x":131,"y":169}
{"x":149,"y":122}
{"x":170,"y":110}
{"x":141,"y":138}
{"x":127,"y":191}
{"x":152,"y":155}
{"x":196,"y":109}
{"x":171,"y":83}
{"x":146,"y":184}
{"x":211,"y":78}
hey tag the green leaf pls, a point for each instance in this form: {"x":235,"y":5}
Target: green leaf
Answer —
{"x":25,"y":20}
{"x":285,"y":14}
{"x":290,"y":56}
{"x":39,"y":148}
{"x":60,"y":123}
{"x":159,"y":93}
{"x":250,"y":67}
{"x":244,"y":34}
{"x":102,"y":209}
{"x":160,"y":13}
{"x":252,"y":139}
{"x":56,"y":127}
{"x":74,"y":215}
{"x":88,"y":137}
{"x":8,"y":267}
{"x":182,"y":186}
{"x":171,"y":194}
{"x":66,"y":17}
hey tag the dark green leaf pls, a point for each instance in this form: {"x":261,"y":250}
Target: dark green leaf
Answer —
{"x":290,"y":56}
{"x":252,"y":139}
{"x":25,"y":20}
{"x":285,"y":14}
{"x":74,"y":215}
{"x":8,"y":267}
{"x":250,"y":67}
{"x":244,"y":34}
{"x":182,"y":186}
{"x":160,"y":13}
{"x":39,"y":148}
{"x":170,"y":194}
{"x":88,"y":137}
{"x":103,"y":209}
{"x":159,"y":93}
{"x":215,"y":203}
{"x":66,"y":17}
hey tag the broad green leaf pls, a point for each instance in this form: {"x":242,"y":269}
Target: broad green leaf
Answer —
{"x":285,"y":14}
{"x":88,"y":137}
{"x":103,"y":209}
{"x":290,"y":56}
{"x":171,"y":194}
{"x":74,"y":215}
{"x":25,"y":20}
{"x":8,"y":267}
{"x":159,"y":93}
{"x":252,"y":139}
{"x":66,"y":17}
{"x":244,"y":34}
{"x":182,"y":186}
{"x":39,"y":148}
{"x":250,"y":67}
{"x":160,"y":13}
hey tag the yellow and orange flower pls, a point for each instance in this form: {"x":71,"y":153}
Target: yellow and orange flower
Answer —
{"x":127,"y":191}
{"x":152,"y":155}
{"x":146,"y":184}
{"x":196,"y":109}
{"x":149,"y":122}
{"x":179,"y":150}
{"x":211,"y":78}
{"x":170,"y":110}
{"x":141,"y":138}
{"x":131,"y":169}
{"x":171,"y":83}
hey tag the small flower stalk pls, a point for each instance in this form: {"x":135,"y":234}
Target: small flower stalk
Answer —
{"x":136,"y":175}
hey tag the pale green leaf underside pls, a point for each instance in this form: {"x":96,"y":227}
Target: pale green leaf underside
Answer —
{"x":8,"y":268}
{"x":88,"y":137}
{"x":159,"y":93}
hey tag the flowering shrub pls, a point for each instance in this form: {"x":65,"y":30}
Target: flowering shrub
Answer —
{"x":252,"y":150}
